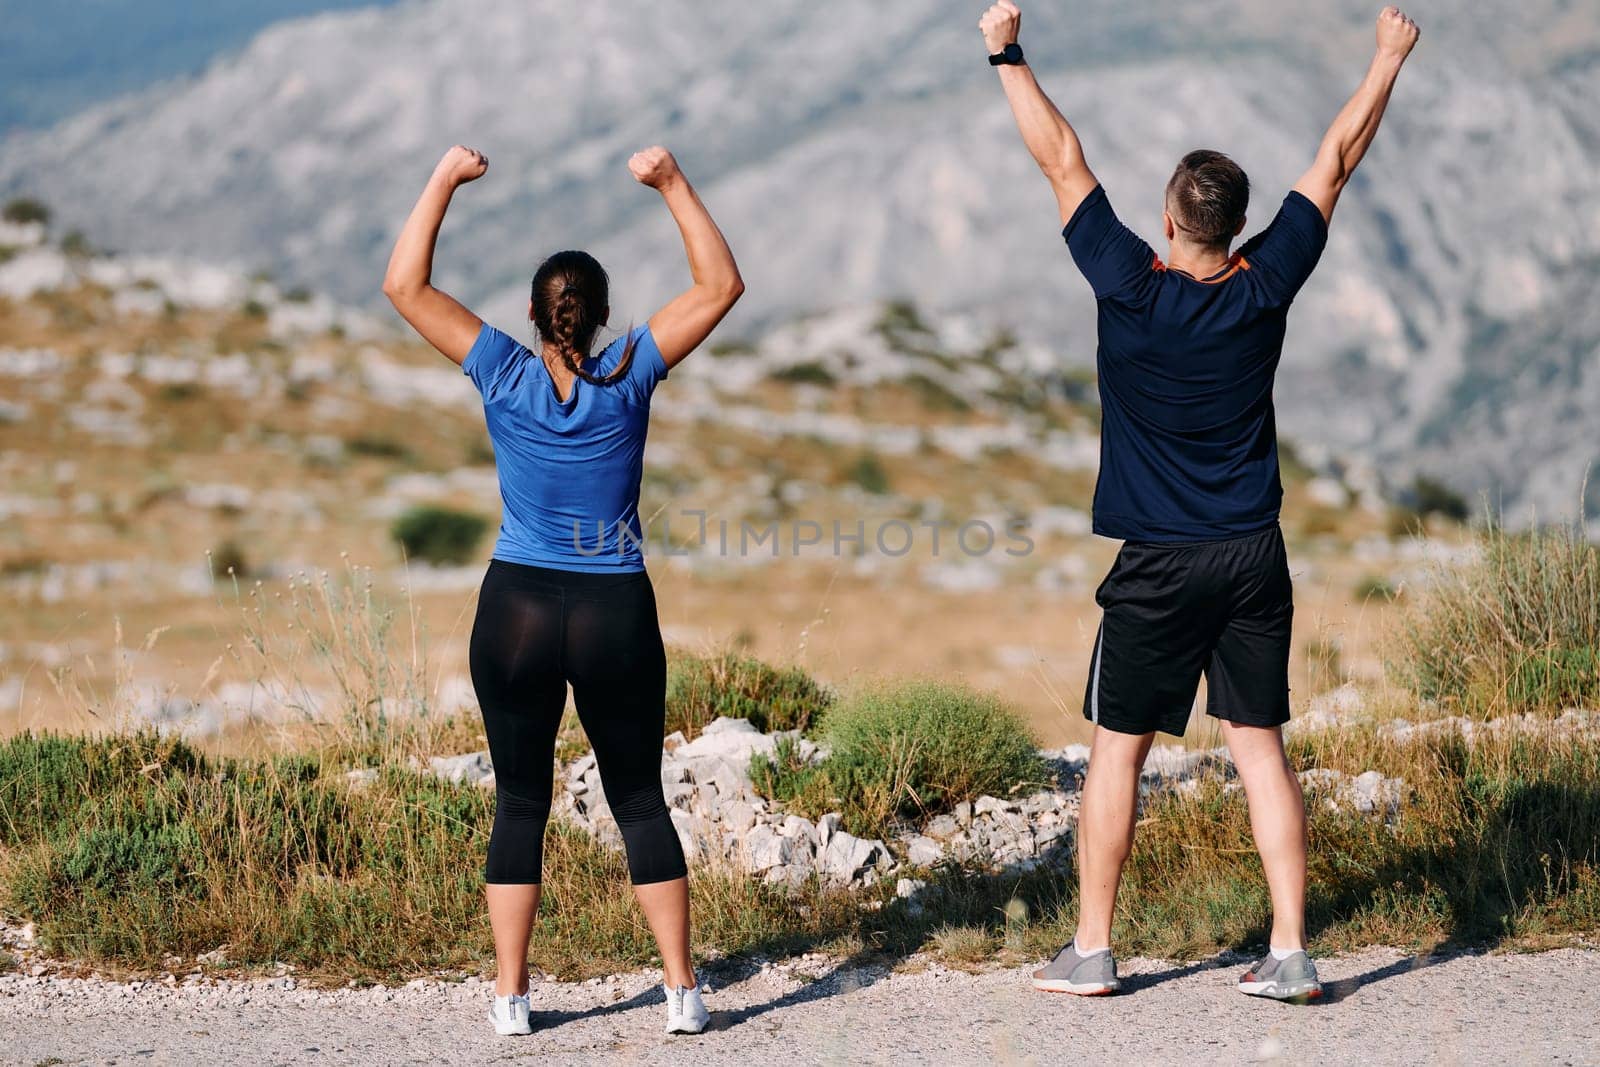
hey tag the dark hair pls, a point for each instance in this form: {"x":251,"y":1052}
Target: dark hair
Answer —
{"x":571,"y":296}
{"x":1208,"y":197}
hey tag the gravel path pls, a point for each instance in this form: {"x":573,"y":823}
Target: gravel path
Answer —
{"x":1381,"y":1007}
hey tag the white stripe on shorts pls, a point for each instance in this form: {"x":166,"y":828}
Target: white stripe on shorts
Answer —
{"x":1094,"y":689}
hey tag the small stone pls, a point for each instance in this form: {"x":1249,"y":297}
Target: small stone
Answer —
{"x":988,"y":805}
{"x":847,"y":857}
{"x":705,"y":801}
{"x":739,"y":816}
{"x":923,"y":851}
{"x":943,"y":827}
{"x":765,"y":849}
{"x":791,"y":877}
{"x":827,"y":826}
{"x":963,"y":814}
{"x":361,"y":777}
{"x":906,"y":888}
{"x":471,"y":768}
{"x":797,"y":826}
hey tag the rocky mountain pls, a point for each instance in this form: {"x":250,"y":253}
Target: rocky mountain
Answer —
{"x":858,"y":152}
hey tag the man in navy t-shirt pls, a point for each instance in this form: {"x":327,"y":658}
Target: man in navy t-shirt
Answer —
{"x":1189,"y":348}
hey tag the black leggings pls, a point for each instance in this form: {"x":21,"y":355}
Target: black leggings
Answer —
{"x":538,"y":629}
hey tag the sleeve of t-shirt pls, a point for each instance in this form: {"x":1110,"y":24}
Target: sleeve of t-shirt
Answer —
{"x":648,"y":367}
{"x":1282,"y":256}
{"x":1115,"y":260}
{"x":490,"y":360}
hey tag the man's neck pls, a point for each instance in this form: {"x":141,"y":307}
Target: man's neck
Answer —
{"x":1197,"y":261}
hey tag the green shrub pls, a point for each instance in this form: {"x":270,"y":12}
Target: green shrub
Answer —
{"x":129,"y":849}
{"x":1431,"y":497}
{"x":228,"y":561}
{"x":25,"y":209}
{"x":868,"y":472}
{"x":1516,"y":630}
{"x":379,"y":446}
{"x":902,"y":317}
{"x":906,"y":752}
{"x":703,"y":688}
{"x":440,"y":535}
{"x":805,"y":374}
{"x":76,"y":245}
{"x":1375,"y":587}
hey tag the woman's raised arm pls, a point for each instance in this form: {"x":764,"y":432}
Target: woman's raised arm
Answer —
{"x":689,"y":318}
{"x":441,"y":320}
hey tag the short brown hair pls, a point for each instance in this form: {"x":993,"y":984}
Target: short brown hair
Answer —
{"x":1208,"y":197}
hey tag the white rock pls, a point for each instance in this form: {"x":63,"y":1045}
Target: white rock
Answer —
{"x":473,"y":768}
{"x":792,"y":876}
{"x":764,"y":849}
{"x":738,"y":816}
{"x":923,"y":851}
{"x":361,"y":777}
{"x":847,"y":857}
{"x":732,"y":740}
{"x":906,"y":888}
{"x":988,"y":805}
{"x":798,"y":826}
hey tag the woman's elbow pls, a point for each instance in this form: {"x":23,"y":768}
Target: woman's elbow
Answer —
{"x":734,"y":289}
{"x":399,"y":292}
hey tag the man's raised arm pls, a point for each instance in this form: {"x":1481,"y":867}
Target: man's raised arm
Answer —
{"x":1048,"y":135}
{"x":1347,"y":139}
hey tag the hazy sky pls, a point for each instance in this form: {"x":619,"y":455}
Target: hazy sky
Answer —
{"x":59,"y":56}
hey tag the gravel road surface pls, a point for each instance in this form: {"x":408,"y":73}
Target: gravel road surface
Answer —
{"x":1381,"y":1007}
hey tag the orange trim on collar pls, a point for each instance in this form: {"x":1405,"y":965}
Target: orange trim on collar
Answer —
{"x":1235,"y":264}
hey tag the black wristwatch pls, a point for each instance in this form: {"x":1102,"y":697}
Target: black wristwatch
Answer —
{"x":1010,"y":56}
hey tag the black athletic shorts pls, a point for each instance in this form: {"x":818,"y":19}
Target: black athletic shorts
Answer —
{"x":1173,"y":612}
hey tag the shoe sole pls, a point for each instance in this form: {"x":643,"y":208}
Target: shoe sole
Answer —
{"x":513,"y":1031}
{"x":1299,"y":993}
{"x":1077,"y":989}
{"x":686,"y":1031}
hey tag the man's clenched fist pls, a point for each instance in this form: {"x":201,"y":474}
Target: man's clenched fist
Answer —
{"x":461,"y":165}
{"x":654,"y":167}
{"x":1397,"y":33}
{"x":1000,"y":25}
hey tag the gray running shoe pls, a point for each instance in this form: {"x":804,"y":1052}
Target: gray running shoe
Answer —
{"x":1087,"y":976}
{"x":1292,"y":979}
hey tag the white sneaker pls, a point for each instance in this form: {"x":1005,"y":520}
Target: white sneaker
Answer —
{"x":686,"y":1012}
{"x":511,"y":1015}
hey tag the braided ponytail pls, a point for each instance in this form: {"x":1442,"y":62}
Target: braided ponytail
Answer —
{"x":571,"y":294}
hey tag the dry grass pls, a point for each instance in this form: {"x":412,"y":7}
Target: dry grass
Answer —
{"x":1517,"y":630}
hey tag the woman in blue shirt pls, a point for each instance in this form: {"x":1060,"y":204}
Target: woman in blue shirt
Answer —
{"x":566,"y":598}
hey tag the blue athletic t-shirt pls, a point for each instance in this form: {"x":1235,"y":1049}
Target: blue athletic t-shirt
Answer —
{"x":569,"y":471}
{"x":1188,"y":439}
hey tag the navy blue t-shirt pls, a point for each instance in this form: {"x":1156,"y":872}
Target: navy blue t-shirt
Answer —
{"x":569,"y":470}
{"x":1188,"y":441}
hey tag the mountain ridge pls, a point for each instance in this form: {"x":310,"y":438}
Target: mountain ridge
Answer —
{"x":1463,"y":241}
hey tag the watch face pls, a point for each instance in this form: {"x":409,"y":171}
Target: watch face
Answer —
{"x":1013,"y":52}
